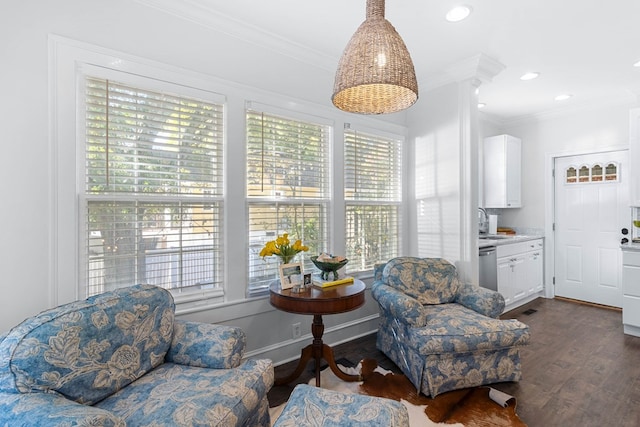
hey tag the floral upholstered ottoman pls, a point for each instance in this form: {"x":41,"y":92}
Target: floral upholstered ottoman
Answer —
{"x":310,"y":405}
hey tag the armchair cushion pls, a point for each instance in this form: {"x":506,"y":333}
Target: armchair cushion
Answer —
{"x":207,"y":346}
{"x":452,"y":328}
{"x":52,"y":410}
{"x":177,"y":395}
{"x":433,"y":282}
{"x":400,"y":306}
{"x":480,"y":300}
{"x":88,"y":350}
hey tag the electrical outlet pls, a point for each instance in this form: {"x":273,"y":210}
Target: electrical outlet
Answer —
{"x":296,"y":330}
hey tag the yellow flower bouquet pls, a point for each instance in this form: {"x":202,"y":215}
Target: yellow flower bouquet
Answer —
{"x":283,"y":248}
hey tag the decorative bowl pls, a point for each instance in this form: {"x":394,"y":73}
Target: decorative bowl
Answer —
{"x":328,"y":267}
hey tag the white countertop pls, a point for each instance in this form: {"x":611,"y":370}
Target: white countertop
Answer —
{"x":630,"y":246}
{"x":507,"y":239}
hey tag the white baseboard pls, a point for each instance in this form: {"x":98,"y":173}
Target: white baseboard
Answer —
{"x":523,"y":301}
{"x":287,"y":351}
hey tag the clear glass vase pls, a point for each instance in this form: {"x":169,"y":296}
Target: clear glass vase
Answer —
{"x":286,"y":259}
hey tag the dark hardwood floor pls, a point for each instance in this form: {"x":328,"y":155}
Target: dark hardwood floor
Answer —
{"x":579,"y":370}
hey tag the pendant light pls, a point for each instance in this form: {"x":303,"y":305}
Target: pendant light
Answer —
{"x":375,"y":73}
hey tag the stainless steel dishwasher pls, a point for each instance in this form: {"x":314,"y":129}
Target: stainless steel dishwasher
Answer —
{"x":488,"y":268}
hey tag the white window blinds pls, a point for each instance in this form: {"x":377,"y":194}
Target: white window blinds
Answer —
{"x":153,"y":190}
{"x":288,"y":188}
{"x":373,"y":197}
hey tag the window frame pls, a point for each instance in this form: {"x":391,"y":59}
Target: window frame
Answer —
{"x":86,"y":197}
{"x":63,"y":205}
{"x":324,"y":203}
{"x":396,"y":202}
{"x":136,"y":198}
{"x":69,"y":61}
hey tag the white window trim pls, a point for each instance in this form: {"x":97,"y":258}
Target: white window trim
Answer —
{"x":66,"y":54}
{"x":68,"y":61}
{"x":328,"y":202}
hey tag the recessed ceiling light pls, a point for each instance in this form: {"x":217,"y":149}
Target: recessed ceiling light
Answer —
{"x":529,"y":76}
{"x":563,"y":97}
{"x":637,"y":64}
{"x":458,"y":13}
{"x":481,"y":105}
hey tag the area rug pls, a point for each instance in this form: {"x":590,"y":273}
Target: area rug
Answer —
{"x":472,"y":407}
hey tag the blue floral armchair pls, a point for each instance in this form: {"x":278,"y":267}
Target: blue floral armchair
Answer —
{"x":443,"y":334}
{"x":122,"y":359}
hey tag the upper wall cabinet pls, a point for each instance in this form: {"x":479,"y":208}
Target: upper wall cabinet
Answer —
{"x":502,"y":172}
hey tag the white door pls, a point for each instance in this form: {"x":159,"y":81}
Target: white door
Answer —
{"x":591,"y":207}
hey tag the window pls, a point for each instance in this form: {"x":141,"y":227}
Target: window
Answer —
{"x":611,"y":172}
{"x":152,"y":199}
{"x":590,"y":174}
{"x":583,"y":174}
{"x":596,"y":173}
{"x":288,"y":187}
{"x":373,"y":197}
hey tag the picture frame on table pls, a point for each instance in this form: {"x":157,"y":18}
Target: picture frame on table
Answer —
{"x":290,"y":275}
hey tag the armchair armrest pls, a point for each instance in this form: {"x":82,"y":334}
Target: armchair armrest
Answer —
{"x":205,"y":345}
{"x":481,"y":300}
{"x":51,"y":409}
{"x":399,"y":306}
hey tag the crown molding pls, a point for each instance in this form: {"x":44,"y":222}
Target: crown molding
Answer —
{"x":491,"y":118}
{"x":199,"y":12}
{"x":624,"y":100}
{"x":480,"y":67}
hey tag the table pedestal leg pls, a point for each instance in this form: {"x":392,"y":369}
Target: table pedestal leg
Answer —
{"x":318,"y":351}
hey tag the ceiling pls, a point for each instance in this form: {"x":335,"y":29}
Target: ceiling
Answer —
{"x":585,"y":48}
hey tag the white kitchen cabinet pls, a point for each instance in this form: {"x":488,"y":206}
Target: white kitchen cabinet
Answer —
{"x":502,"y":172}
{"x":535,"y":269}
{"x":512,"y":278}
{"x":631,"y":292}
{"x":505,"y":279}
{"x":520,"y":271}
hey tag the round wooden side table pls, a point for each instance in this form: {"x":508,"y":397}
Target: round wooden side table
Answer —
{"x":318,"y":302}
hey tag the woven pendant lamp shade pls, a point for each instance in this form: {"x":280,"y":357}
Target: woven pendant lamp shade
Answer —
{"x":375,"y":73}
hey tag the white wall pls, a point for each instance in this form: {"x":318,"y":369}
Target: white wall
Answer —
{"x":579,"y":132}
{"x":29,"y":258}
{"x":435,"y":135}
{"x":444,"y":135}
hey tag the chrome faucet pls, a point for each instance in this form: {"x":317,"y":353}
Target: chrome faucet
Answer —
{"x":483,"y":221}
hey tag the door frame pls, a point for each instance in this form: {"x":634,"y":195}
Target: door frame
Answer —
{"x":549,"y":211}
